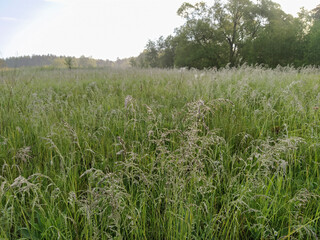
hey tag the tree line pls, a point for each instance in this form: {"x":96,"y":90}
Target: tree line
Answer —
{"x":52,"y":61}
{"x":234,"y":33}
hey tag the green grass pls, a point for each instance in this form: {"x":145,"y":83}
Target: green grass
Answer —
{"x":160,"y":154}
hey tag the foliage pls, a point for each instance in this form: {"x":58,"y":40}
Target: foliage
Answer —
{"x":68,"y":61}
{"x":86,"y":62}
{"x":157,"y":54}
{"x":235,"y":32}
{"x":316,"y":12}
{"x":160,"y":154}
{"x":313,"y":47}
{"x":278,"y":43}
{"x":2,"y":63}
{"x":52,"y":61}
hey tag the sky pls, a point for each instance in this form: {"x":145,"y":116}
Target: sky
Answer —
{"x":102,"y":29}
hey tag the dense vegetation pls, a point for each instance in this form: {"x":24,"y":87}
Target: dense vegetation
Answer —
{"x":52,"y":61}
{"x":234,"y":33}
{"x":160,"y":154}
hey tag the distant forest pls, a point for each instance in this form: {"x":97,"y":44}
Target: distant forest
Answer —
{"x":52,"y":61}
{"x":235,"y":33}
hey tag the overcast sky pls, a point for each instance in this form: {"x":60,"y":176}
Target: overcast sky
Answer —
{"x":104,"y":29}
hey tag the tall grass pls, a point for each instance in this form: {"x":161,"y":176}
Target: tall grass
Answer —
{"x":160,"y":154}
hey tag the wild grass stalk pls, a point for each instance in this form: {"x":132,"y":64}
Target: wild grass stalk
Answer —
{"x":159,"y":154}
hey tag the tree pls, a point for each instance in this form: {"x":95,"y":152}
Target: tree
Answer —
{"x":151,"y":54}
{"x":68,"y":61}
{"x":316,"y":12}
{"x":166,"y":52}
{"x":58,"y":62}
{"x":313,"y":46}
{"x":236,"y":32}
{"x":133,"y":62}
{"x":139,"y":61}
{"x":198,"y":46}
{"x":159,"y":53}
{"x":231,"y":24}
{"x":2,"y":63}
{"x":313,"y":39}
{"x":281,"y":40}
{"x":86,"y":62}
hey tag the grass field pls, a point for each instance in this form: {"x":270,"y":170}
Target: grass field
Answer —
{"x":160,"y":154}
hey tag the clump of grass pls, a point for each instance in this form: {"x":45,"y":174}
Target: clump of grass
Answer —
{"x":159,"y":154}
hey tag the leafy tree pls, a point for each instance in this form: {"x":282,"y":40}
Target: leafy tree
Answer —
{"x":2,"y":63}
{"x":316,"y":12}
{"x":86,"y":62}
{"x":166,"y":52}
{"x":151,"y":54}
{"x":313,"y":46}
{"x":68,"y":61}
{"x":281,"y":41}
{"x":199,"y":47}
{"x":276,"y":45}
{"x":58,"y":62}
{"x":313,"y":38}
{"x":231,"y":24}
{"x":139,"y":61}
{"x":159,"y":53}
{"x":236,"y":32}
{"x":133,"y":62}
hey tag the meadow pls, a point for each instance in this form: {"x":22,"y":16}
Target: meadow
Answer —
{"x":160,"y":154}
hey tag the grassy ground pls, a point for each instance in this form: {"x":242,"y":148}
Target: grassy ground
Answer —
{"x":160,"y":154}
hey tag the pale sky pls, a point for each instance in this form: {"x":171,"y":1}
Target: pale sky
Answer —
{"x":104,"y":29}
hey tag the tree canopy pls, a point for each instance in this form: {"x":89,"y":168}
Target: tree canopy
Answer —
{"x":236,"y":32}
